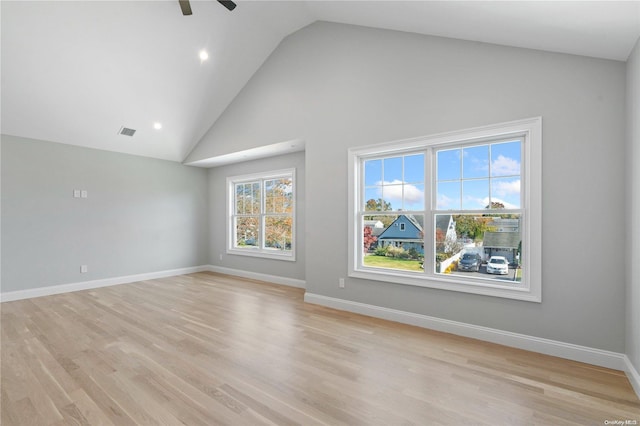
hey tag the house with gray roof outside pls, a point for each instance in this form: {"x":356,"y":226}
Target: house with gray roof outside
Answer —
{"x":502,"y":244}
{"x":406,"y":232}
{"x":505,"y":225}
{"x":377,"y":227}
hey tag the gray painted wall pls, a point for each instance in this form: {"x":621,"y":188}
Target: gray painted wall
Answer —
{"x":633,"y":207}
{"x":218,"y":218}
{"x":142,"y":215}
{"x":338,"y":86}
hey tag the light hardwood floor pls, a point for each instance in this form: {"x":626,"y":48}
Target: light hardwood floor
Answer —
{"x":207,"y":349}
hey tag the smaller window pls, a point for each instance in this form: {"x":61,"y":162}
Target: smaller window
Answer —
{"x":261,"y":215}
{"x":402,"y":226}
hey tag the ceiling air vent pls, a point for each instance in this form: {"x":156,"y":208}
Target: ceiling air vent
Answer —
{"x":126,"y":131}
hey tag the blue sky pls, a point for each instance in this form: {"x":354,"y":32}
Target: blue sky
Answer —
{"x":466,"y":178}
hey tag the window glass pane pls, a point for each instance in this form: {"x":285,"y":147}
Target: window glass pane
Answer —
{"x":287,"y":195}
{"x":255,"y":198}
{"x":278,"y":232}
{"x":392,"y":172}
{"x":414,"y":168}
{"x":239,"y":198}
{"x":247,"y":198}
{"x":272,"y":196}
{"x":479,"y":190}
{"x":401,"y":186}
{"x":278,"y":195}
{"x":372,"y":172}
{"x":475,"y":194}
{"x":393,"y":242}
{"x":269,"y":196}
{"x":247,"y":232}
{"x":392,"y":196}
{"x":475,"y":162}
{"x":373,"y":185}
{"x":505,"y":191}
{"x":465,"y":244}
{"x":413,"y":197}
{"x":505,"y":159}
{"x":445,"y":238}
{"x":448,"y":164}
{"x":448,"y":196}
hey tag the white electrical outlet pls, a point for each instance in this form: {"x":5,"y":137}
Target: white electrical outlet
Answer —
{"x":341,"y":282}
{"x":220,"y":256}
{"x":76,"y":193}
{"x":84,"y":269}
{"x":83,"y":193}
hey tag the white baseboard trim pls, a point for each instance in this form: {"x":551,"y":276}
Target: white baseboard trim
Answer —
{"x":633,"y":375}
{"x":87,"y":285}
{"x":521,"y":341}
{"x":291,"y":282}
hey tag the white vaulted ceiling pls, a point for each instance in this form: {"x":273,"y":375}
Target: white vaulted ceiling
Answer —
{"x":75,"y":72}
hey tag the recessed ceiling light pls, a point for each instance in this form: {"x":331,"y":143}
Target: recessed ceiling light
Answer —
{"x":157,"y":126}
{"x":204,"y":55}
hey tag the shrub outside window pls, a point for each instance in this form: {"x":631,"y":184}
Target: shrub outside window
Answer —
{"x":457,"y":211}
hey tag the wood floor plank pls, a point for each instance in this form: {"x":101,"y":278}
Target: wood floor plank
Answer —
{"x":28,"y":414}
{"x":7,"y":410}
{"x":89,"y":410}
{"x":212,"y":349}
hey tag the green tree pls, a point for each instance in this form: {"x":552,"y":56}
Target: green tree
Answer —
{"x":379,"y":205}
{"x":471,"y":226}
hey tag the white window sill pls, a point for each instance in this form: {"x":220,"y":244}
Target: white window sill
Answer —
{"x":452,"y":283}
{"x":265,"y":254}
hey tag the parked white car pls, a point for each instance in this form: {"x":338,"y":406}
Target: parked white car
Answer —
{"x":498,"y":265}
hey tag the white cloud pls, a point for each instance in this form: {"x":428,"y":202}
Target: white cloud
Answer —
{"x":470,"y":202}
{"x":505,"y":166}
{"x":504,"y":188}
{"x":446,"y":203}
{"x":392,"y":192}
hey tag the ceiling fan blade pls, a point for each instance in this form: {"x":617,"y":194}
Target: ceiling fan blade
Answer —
{"x":185,"y":6}
{"x":228,"y":4}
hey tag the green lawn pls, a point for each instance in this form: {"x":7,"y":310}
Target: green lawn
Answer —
{"x":392,"y":263}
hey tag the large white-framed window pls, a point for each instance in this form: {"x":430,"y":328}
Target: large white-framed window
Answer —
{"x":455,"y":211}
{"x":261,"y":215}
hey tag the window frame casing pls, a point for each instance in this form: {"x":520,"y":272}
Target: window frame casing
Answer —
{"x":530,"y":132}
{"x":287,"y":255}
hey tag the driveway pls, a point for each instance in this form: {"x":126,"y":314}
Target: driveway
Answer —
{"x":483,"y":274}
